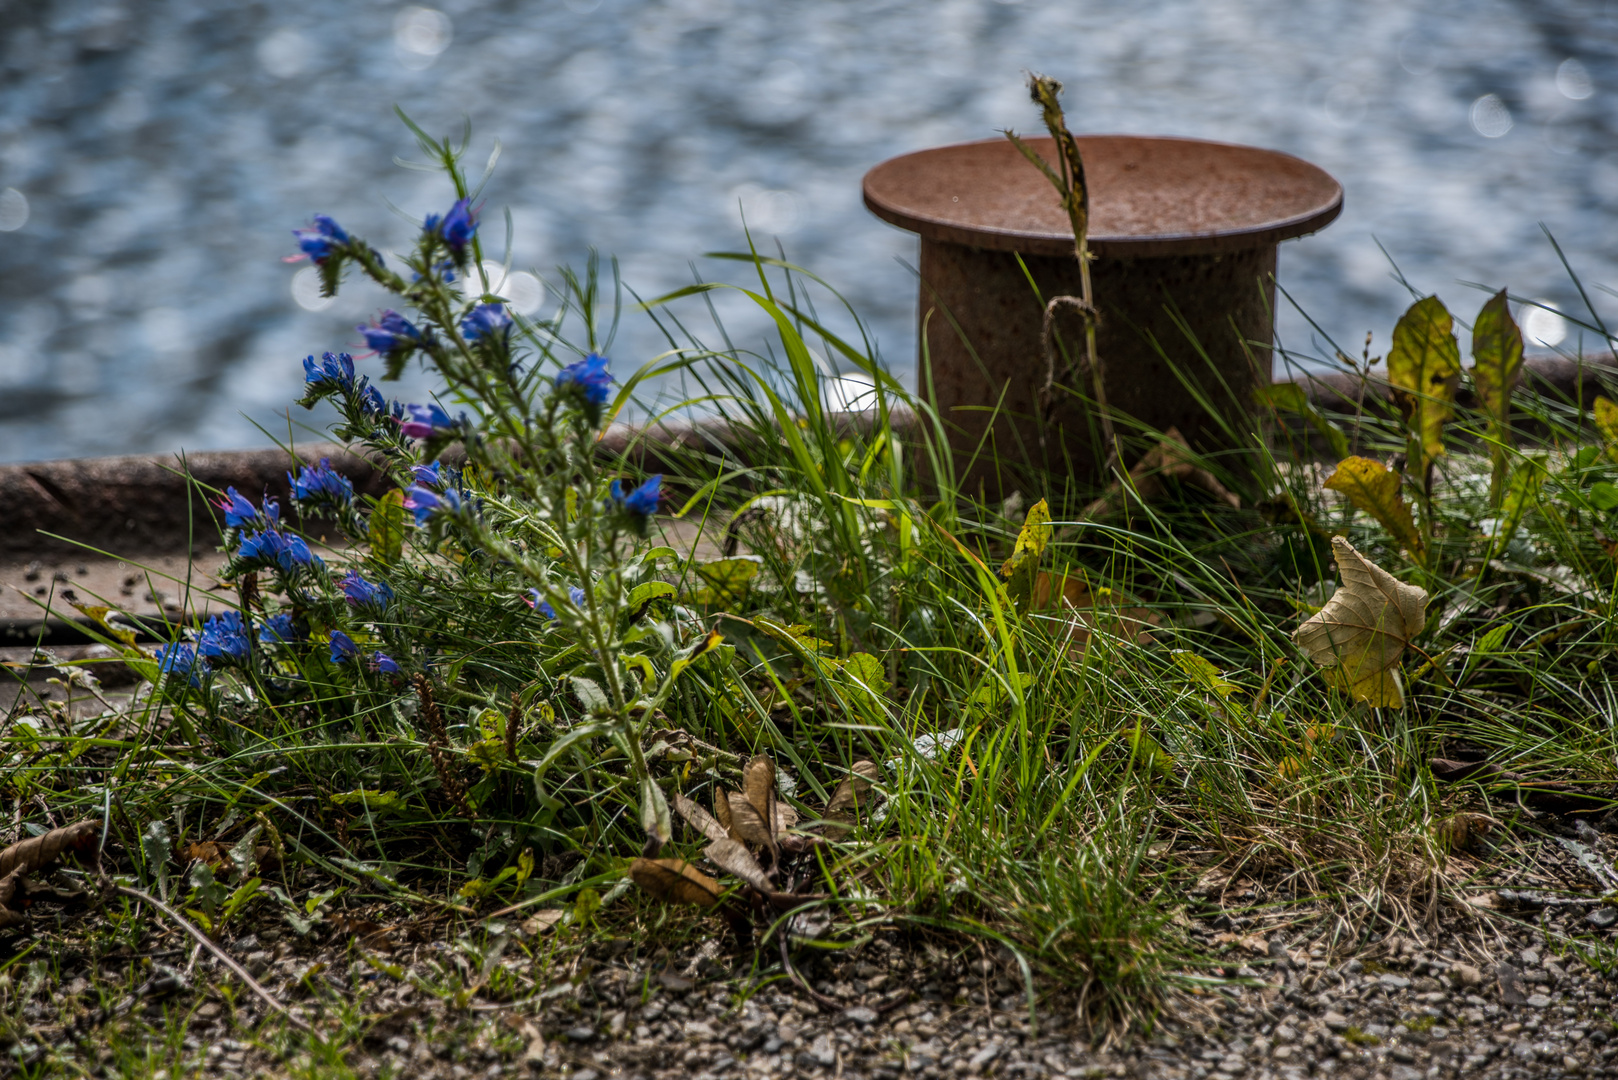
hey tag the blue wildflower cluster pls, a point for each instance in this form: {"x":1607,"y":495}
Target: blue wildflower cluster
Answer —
{"x":226,"y":638}
{"x":320,"y":242}
{"x":345,"y":649}
{"x":334,"y":372}
{"x":588,"y":384}
{"x":486,"y":322}
{"x":279,"y":629}
{"x":428,"y":421}
{"x":321,"y":484}
{"x":456,"y":228}
{"x":392,"y":335}
{"x":367,"y":597}
{"x":273,"y":548}
{"x":240,"y":513}
{"x":180,"y":661}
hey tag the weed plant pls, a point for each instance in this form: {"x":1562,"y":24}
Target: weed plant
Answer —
{"x":487,"y":696}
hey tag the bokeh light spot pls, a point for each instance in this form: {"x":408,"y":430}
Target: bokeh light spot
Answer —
{"x":1543,"y":326}
{"x":1573,"y":80}
{"x":1490,"y":117}
{"x":420,"y":34}
{"x":13,"y":210}
{"x":306,"y":290}
{"x":283,"y":53}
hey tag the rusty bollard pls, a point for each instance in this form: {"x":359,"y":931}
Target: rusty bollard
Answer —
{"x":1182,"y":230}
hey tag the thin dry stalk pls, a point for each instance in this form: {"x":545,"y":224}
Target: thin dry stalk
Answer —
{"x":432,"y":717}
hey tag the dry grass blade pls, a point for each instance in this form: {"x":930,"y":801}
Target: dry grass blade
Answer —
{"x":36,"y":852}
{"x":699,"y":819}
{"x":854,"y":792}
{"x":675,"y":881}
{"x":735,"y":859}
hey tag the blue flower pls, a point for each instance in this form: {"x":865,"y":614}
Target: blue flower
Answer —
{"x":238,"y":511}
{"x":486,"y":321}
{"x":321,"y":482}
{"x":272,"y":548}
{"x":363,"y":594}
{"x":320,"y":242}
{"x":391,"y":333}
{"x":427,"y":502}
{"x":337,"y":370}
{"x":642,"y":502}
{"x":430,"y":475}
{"x":576,"y":594}
{"x":536,"y":602}
{"x":278,"y":630}
{"x":181,"y":659}
{"x":387,"y":665}
{"x":588,"y":378}
{"x":226,"y":637}
{"x":456,"y":227}
{"x":342,"y":647}
{"x":373,"y":404}
{"x":426,"y":421}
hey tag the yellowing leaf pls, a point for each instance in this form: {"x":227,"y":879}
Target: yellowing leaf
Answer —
{"x":1019,"y":570}
{"x":1606,"y":417}
{"x":99,"y":615}
{"x":386,"y":529}
{"x":1373,"y":488}
{"x":864,"y":673}
{"x":1361,"y":633}
{"x":1148,"y":752}
{"x":1496,"y":370}
{"x":1203,"y":673}
{"x":376,"y":802}
{"x":1103,"y":610}
{"x":1031,"y":539}
{"x":1424,"y":365}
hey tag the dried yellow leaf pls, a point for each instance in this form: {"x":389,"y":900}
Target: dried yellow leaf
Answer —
{"x":1373,"y":488}
{"x":1361,"y":633}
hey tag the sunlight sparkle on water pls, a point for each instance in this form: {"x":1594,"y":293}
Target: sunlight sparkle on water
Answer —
{"x":1544,"y":327}
{"x":1490,"y":117}
{"x":306,"y":290}
{"x":419,"y":35}
{"x":1573,"y":80}
{"x":13,"y":209}
{"x":523,"y":292}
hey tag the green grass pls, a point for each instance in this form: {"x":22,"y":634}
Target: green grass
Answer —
{"x":1084,"y":785}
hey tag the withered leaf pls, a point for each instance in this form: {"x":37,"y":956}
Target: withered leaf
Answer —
{"x":854,"y":792}
{"x":758,"y":784}
{"x":1171,"y":457}
{"x":746,"y":824}
{"x":541,"y":921}
{"x":1359,"y":636}
{"x":699,"y":819}
{"x":721,"y":812}
{"x":36,"y":852}
{"x":675,"y":881}
{"x":734,"y":858}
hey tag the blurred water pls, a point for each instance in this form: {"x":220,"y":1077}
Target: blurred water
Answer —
{"x":154,"y":154}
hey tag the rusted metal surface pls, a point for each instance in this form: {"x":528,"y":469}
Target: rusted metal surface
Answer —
{"x":1184,"y":235}
{"x":1148,"y":197}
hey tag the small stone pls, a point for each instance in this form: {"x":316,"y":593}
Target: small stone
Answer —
{"x":1538,"y":1001}
{"x":1465,"y":975}
{"x":859,"y":1014}
{"x":580,"y":1034}
{"x":1602,"y":918}
{"x":1511,"y":988}
{"x":984,"y":1056}
{"x":586,"y":1074}
{"x":822,"y":1050}
{"x":1390,"y":981}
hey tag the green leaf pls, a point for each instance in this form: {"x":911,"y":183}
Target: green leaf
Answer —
{"x":376,"y":802}
{"x":386,"y":529}
{"x":1424,"y":366}
{"x":1522,"y":493}
{"x":646,"y":592}
{"x":1292,"y":397}
{"x":1020,"y":569}
{"x":865,"y":674}
{"x":1203,"y":673}
{"x":1496,"y":370}
{"x":1606,"y":418}
{"x":726,"y":582}
{"x":1603,"y":496}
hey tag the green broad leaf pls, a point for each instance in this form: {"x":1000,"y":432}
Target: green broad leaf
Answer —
{"x":1203,"y":673}
{"x":865,"y":674}
{"x":646,"y":592}
{"x":1424,"y":366}
{"x":1496,"y":371}
{"x":1291,"y":397}
{"x":1605,"y":413}
{"x":726,"y":582}
{"x":589,"y":693}
{"x":491,"y":723}
{"x":654,"y":812}
{"x":376,"y":802}
{"x":386,"y":528}
{"x":1603,"y":496}
{"x":1491,"y":641}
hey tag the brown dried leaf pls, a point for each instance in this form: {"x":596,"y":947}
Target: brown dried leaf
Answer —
{"x":854,"y":792}
{"x":1105,"y":610}
{"x":1359,"y":636}
{"x":745,"y":823}
{"x":721,"y":812}
{"x":758,"y":784}
{"x":541,"y":921}
{"x":735,"y":859}
{"x":1170,"y":457}
{"x":207,"y":852}
{"x":675,"y":881}
{"x":1459,"y":830}
{"x":699,"y":819}
{"x":36,"y":852}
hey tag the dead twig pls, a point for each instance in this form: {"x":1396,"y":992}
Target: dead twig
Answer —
{"x":224,"y":958}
